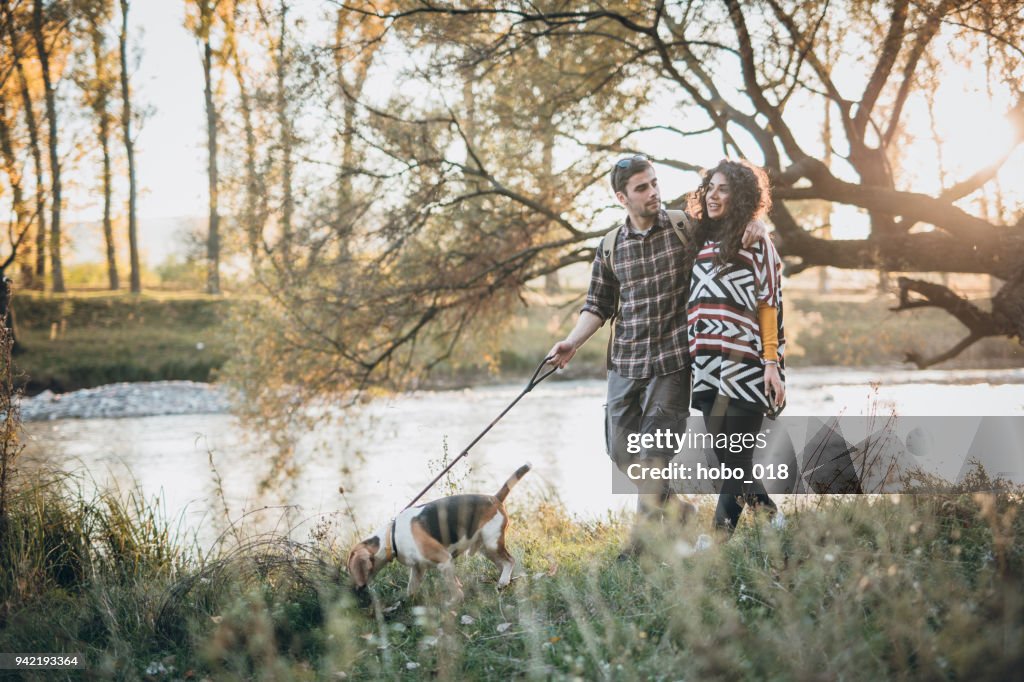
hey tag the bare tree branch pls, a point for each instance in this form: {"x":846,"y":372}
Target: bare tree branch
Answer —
{"x":886,"y":60}
{"x":980,"y":324}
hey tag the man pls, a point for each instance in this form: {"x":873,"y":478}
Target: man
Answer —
{"x":649,"y":363}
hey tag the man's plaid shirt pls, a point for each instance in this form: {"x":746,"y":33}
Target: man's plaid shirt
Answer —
{"x":650,"y":283}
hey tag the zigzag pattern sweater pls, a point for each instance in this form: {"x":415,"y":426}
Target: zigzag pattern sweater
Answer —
{"x":723,"y":332}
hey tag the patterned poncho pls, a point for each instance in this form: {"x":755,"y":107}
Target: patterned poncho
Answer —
{"x":722,"y":327}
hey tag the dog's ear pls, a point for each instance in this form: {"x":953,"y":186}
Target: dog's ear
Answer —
{"x":359,"y":565}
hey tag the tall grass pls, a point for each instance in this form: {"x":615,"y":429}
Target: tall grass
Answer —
{"x":909,"y":587}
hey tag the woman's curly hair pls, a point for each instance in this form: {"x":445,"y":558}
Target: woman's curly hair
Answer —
{"x":749,"y":198}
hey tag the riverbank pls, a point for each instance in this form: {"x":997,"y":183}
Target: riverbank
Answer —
{"x":162,"y":398}
{"x":908,"y":587}
{"x":84,"y":341}
{"x":78,"y":341}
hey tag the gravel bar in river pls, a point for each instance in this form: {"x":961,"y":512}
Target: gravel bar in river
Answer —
{"x":138,"y":399}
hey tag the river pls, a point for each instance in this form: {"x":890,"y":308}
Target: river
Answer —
{"x":383,"y":454}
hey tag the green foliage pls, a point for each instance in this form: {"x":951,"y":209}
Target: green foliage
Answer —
{"x":93,"y":276}
{"x":88,"y":568}
{"x":173,"y":274}
{"x":103,"y":338}
{"x":36,"y":311}
{"x":80,"y":275}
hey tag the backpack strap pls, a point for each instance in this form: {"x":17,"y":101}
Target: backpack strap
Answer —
{"x":683,"y":228}
{"x":608,"y":253}
{"x":608,"y":248}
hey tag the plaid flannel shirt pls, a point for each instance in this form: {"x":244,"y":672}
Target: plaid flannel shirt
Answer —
{"x":650,"y":283}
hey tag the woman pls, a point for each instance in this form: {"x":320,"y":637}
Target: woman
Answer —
{"x":734,"y":328}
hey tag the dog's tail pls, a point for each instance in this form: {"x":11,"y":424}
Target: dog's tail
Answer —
{"x":511,"y":482}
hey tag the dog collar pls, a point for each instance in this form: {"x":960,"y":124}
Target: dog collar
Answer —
{"x":390,"y":548}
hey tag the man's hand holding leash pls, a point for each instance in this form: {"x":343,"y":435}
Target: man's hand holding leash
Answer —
{"x":563,"y":351}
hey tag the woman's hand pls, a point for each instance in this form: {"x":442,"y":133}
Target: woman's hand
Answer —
{"x":773,"y":386}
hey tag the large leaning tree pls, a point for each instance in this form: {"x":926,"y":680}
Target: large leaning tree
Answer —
{"x":479,"y":139}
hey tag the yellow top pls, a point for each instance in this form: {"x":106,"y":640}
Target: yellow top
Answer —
{"x":767,"y":318}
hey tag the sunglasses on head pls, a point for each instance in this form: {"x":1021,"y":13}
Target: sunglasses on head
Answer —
{"x":630,"y":160}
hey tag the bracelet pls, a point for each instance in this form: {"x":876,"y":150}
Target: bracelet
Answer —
{"x":770,"y":362}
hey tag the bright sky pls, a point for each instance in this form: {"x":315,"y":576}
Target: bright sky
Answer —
{"x":172,"y":154}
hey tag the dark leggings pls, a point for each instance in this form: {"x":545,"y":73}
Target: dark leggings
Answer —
{"x":736,"y":421}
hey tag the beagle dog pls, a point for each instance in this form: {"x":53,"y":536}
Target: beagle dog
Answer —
{"x":433,"y":534}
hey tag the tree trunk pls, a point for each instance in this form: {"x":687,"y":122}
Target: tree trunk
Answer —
{"x":552,"y":283}
{"x":254,"y":211}
{"x":9,"y":447}
{"x":129,"y":148}
{"x":20,"y":212}
{"x":348,"y":92}
{"x":213,"y":234}
{"x":113,"y":277}
{"x":826,"y":142}
{"x":287,"y":198}
{"x":39,"y":280}
{"x":14,"y":176}
{"x":7,"y":312}
{"x":51,"y":118}
{"x":38,"y":273}
{"x":101,"y":104}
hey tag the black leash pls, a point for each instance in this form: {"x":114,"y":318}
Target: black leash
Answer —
{"x":536,"y":379}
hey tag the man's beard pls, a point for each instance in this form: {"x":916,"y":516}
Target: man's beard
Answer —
{"x":649,"y":211}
